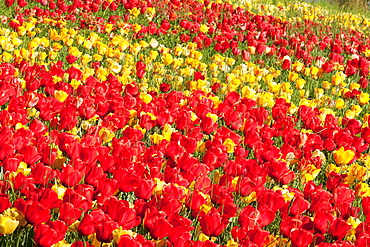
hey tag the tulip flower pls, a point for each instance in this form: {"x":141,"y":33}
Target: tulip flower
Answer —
{"x":298,"y":206}
{"x":60,"y":95}
{"x":339,"y":228}
{"x":69,"y":214}
{"x":161,"y":229}
{"x":50,"y":233}
{"x":7,"y":224}
{"x":104,"y":230}
{"x":35,"y":213}
{"x":212,"y":223}
{"x":343,"y":157}
{"x":322,"y":221}
{"x":4,"y":202}
{"x":301,"y":237}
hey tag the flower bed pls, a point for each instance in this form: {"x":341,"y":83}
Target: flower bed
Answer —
{"x":183,"y":123}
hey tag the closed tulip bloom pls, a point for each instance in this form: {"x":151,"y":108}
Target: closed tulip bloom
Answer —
{"x":212,"y":223}
{"x":4,"y":202}
{"x":339,"y":228}
{"x":301,"y":238}
{"x":7,"y":224}
{"x":37,"y":213}
{"x":104,"y":230}
{"x":49,"y":233}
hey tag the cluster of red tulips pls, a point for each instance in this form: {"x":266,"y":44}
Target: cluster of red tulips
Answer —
{"x":181,"y":123}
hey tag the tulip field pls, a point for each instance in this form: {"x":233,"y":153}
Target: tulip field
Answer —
{"x":190,"y":123}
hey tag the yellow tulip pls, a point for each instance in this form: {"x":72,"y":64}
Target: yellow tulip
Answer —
{"x":363,"y":98}
{"x":146,"y":98}
{"x":106,"y":135}
{"x":74,"y":51}
{"x":23,"y":168}
{"x":362,"y":190}
{"x":108,"y":27}
{"x":136,"y":28}
{"x":6,"y":57}
{"x":338,"y":78}
{"x":230,"y":145}
{"x":292,"y":76}
{"x":53,"y":34}
{"x":297,"y":66}
{"x":134,"y":11}
{"x":167,"y":59}
{"x":340,"y":104}
{"x":326,"y":85}
{"x":62,"y":243}
{"x":300,"y":83}
{"x":203,"y":28}
{"x":60,"y":95}
{"x":60,"y":190}
{"x":343,"y":157}
{"x":7,"y":224}
{"x":117,"y":233}
{"x":232,"y":243}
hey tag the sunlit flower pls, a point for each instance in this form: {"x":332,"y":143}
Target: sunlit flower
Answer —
{"x":343,"y":157}
{"x":7,"y":224}
{"x":106,"y":135}
{"x":60,"y":95}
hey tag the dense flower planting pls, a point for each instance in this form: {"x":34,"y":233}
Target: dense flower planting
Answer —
{"x":183,"y":123}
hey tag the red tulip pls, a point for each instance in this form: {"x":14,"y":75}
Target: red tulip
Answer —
{"x":36,"y":213}
{"x":6,"y":149}
{"x":105,"y":188}
{"x":280,"y":172}
{"x":127,"y":240}
{"x":71,"y":59}
{"x":363,"y":240}
{"x":119,"y":211}
{"x":266,"y":215}
{"x":4,"y":202}
{"x":140,"y":69}
{"x":164,"y":87}
{"x":48,"y":198}
{"x":342,"y":194}
{"x":298,"y":206}
{"x":273,"y":199}
{"x":30,"y":154}
{"x":198,"y":76}
{"x":301,"y":237}
{"x":363,"y":82}
{"x":69,"y":176}
{"x":366,"y":206}
{"x":288,"y":224}
{"x":184,"y":38}
{"x":339,"y":228}
{"x":88,"y":222}
{"x":286,"y":64}
{"x":79,"y":200}
{"x":258,"y":236}
{"x":68,"y":213}
{"x":327,"y":67}
{"x":82,"y":244}
{"x":9,"y":3}
{"x":212,"y":223}
{"x":160,"y":229}
{"x":245,"y":186}
{"x":127,"y":180}
{"x":104,"y":230}
{"x":49,"y":233}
